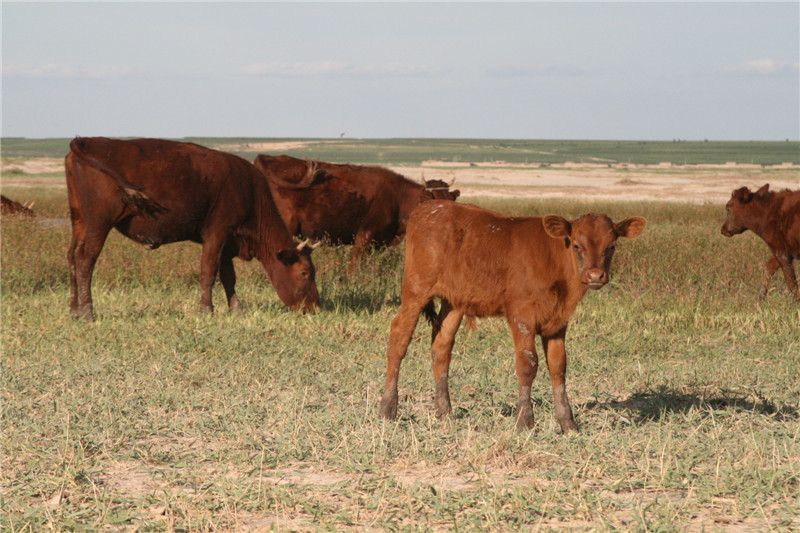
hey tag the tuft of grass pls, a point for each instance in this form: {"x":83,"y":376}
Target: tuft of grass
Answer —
{"x":157,"y":418}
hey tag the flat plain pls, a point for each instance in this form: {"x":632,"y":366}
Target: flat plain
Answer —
{"x":156,"y":418}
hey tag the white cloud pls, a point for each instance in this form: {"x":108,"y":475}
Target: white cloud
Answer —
{"x":516,"y":71}
{"x":765,"y":67}
{"x":333,"y":68}
{"x":53,"y":70}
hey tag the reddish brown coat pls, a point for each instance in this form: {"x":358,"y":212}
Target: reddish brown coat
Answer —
{"x":347,"y":204}
{"x":11,"y":207}
{"x":156,"y":192}
{"x":533,"y":271}
{"x":775,"y":217}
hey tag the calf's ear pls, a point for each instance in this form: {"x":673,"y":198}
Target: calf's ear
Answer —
{"x":763,"y":190}
{"x":630,"y":227}
{"x":556,"y":226}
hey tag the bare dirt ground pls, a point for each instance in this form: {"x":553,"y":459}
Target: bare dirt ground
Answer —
{"x":663,"y":182}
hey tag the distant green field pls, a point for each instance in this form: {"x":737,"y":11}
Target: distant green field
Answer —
{"x":414,"y":151}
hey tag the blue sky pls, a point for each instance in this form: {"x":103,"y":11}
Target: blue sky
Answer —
{"x":641,"y":70}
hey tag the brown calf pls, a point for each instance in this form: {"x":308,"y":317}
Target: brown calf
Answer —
{"x":775,"y":217}
{"x":533,"y":271}
{"x":156,"y":192}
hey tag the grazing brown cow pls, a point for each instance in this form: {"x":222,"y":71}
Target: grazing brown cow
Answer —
{"x":346,"y":204}
{"x":775,"y":217}
{"x":531,"y":270}
{"x":157,"y":192}
{"x":11,"y":207}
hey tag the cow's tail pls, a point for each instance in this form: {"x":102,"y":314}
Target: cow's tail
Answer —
{"x":133,"y":194}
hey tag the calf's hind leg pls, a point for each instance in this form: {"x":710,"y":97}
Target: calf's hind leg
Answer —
{"x":402,"y":329}
{"x":448,"y":322}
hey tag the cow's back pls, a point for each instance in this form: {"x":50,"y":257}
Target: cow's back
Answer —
{"x":337,"y":203}
{"x":193,"y":187}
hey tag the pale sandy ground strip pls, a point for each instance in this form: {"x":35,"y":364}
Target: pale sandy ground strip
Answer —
{"x":702,"y":184}
{"x":663,"y":182}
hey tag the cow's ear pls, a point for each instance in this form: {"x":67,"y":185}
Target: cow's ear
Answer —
{"x":288,"y":257}
{"x":743,"y":195}
{"x":556,"y":226}
{"x":456,"y":193}
{"x":630,"y":227}
{"x":763,"y":190}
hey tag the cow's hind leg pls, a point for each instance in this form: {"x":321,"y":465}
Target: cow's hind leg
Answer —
{"x":82,"y":256}
{"x":399,"y":338}
{"x":227,"y":275}
{"x":527,"y":365}
{"x":448,"y":322}
{"x":555,"y":351}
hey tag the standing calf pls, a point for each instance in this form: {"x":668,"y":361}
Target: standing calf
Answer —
{"x":775,"y":217}
{"x":531,"y":270}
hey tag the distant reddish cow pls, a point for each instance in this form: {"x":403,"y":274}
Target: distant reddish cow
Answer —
{"x":10,"y":207}
{"x":775,"y":217}
{"x":346,"y":204}
{"x":531,"y":270}
{"x":156,"y":192}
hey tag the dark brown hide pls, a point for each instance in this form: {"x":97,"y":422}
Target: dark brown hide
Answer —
{"x":775,"y":217}
{"x":10,"y":207}
{"x":156,"y":192}
{"x":533,"y":271}
{"x":347,"y":204}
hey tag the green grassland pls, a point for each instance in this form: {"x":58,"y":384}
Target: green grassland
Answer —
{"x":414,"y":151}
{"x":157,"y":418}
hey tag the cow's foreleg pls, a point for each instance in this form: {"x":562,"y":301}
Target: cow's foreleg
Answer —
{"x":527,"y":365}
{"x":401,"y":331}
{"x":442,"y":348}
{"x":210,"y":260}
{"x":227,"y":275}
{"x":361,"y":244}
{"x":556,"y":354}
{"x":772,"y":266}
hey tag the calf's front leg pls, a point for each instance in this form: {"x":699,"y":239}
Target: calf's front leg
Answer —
{"x":527,"y":365}
{"x":555,"y":351}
